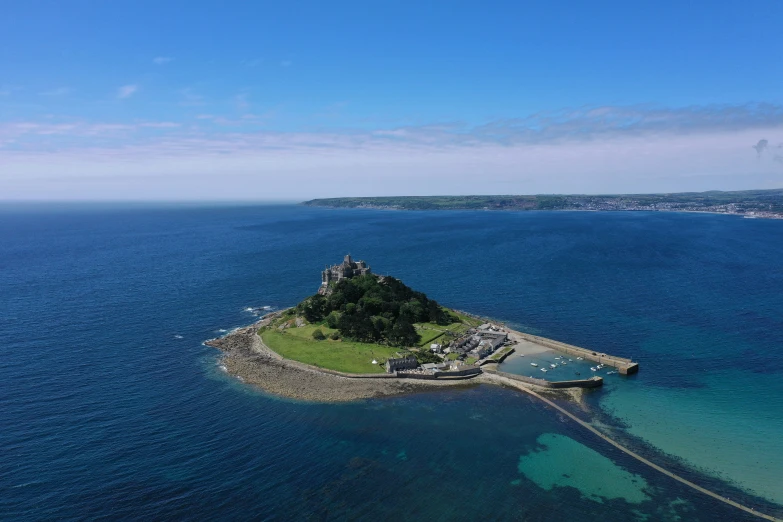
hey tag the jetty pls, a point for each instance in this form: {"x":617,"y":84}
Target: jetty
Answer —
{"x":623,"y":365}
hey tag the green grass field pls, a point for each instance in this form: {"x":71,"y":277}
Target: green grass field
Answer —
{"x":344,"y":356}
{"x":457,"y":328}
{"x":306,"y":332}
{"x":428,"y":336}
{"x":297,"y":343}
{"x":470,"y":321}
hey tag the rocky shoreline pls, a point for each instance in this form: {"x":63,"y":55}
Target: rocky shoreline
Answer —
{"x":246,"y":357}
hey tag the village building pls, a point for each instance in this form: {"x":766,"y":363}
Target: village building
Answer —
{"x":434,"y":367}
{"x":404,"y":363}
{"x":482,"y":350}
{"x":480,"y":343}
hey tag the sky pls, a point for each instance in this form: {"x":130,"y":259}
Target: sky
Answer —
{"x":202,"y":100}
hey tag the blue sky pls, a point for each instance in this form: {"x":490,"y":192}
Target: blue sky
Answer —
{"x":255,"y":100}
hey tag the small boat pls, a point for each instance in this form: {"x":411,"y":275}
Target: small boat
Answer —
{"x":533,"y":364}
{"x":593,"y":368}
{"x":580,"y":358}
{"x":544,"y":370}
{"x":610,"y":373}
{"x":563,"y":363}
{"x":553,"y":366}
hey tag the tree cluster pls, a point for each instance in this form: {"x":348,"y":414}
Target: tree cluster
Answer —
{"x":373,"y":309}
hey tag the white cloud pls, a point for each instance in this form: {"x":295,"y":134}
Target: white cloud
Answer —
{"x":242,"y":102}
{"x":60,"y":91}
{"x":285,"y":166}
{"x":612,"y":150}
{"x":190,"y":98}
{"x":126,"y":91}
{"x":162,"y":60}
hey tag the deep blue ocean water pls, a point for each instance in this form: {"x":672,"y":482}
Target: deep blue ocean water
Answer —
{"x":111,"y":408}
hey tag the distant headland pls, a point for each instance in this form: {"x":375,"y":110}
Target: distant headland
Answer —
{"x":746,"y":203}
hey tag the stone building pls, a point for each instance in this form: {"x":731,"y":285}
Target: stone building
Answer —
{"x":345,"y":270}
{"x":405,"y":363}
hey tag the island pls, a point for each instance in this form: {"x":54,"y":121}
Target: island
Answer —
{"x":364,"y":335}
{"x":746,"y":203}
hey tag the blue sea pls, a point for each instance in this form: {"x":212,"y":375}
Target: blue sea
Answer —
{"x":112,"y":408}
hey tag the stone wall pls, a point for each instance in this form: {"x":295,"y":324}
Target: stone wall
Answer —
{"x":459,"y":373}
{"x":625,"y":366}
{"x":592,"y":382}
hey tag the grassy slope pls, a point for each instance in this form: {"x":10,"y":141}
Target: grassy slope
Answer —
{"x":297,"y":343}
{"x":428,"y":336}
{"x":344,"y":356}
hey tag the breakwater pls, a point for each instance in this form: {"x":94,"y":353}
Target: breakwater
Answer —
{"x":499,"y":359}
{"x":468,"y":373}
{"x":623,"y":365}
{"x":592,"y":382}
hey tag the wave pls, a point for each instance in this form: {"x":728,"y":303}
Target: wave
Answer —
{"x":258,"y":310}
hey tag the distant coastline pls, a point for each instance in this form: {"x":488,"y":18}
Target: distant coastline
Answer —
{"x":764,"y":204}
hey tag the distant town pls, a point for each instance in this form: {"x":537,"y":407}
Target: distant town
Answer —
{"x":748,"y":203}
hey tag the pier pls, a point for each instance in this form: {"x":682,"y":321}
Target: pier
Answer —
{"x":623,"y":365}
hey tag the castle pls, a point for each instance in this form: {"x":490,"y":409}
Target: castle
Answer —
{"x":345,"y":270}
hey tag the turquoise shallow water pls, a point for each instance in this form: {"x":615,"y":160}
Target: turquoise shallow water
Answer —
{"x":112,"y":408}
{"x":562,"y":462}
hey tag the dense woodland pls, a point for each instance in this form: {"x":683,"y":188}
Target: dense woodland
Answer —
{"x":375,"y":309}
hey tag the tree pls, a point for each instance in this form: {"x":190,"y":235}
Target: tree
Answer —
{"x":313,"y":308}
{"x":425,"y":356}
{"x":402,"y":333}
{"x":332,"y":319}
{"x":318,"y":335}
{"x":413,"y":311}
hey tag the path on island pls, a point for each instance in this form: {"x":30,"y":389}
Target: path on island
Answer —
{"x":622,"y":448}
